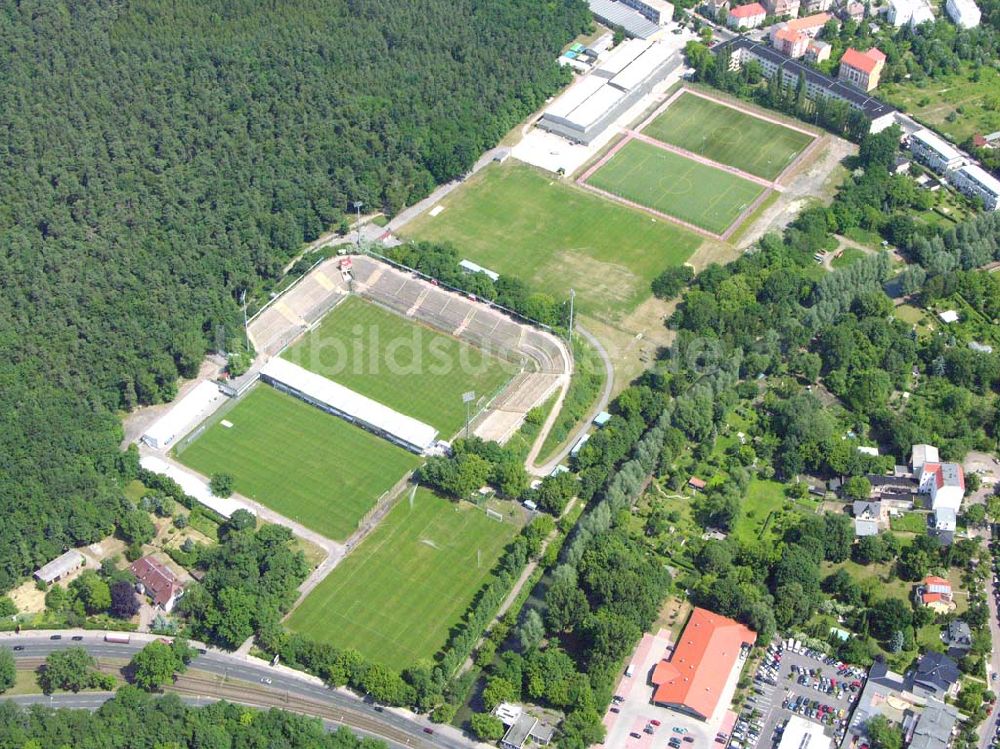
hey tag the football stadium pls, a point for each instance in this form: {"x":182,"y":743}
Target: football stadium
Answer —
{"x":366,"y":368}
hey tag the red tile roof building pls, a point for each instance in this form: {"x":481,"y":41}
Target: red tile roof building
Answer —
{"x":861,"y":69}
{"x":694,"y":678}
{"x":746,"y":16}
{"x":158,"y":582}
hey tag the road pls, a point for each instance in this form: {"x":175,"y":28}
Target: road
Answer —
{"x":988,"y":727}
{"x":288,"y":689}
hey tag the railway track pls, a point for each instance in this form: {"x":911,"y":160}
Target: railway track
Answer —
{"x":190,"y":685}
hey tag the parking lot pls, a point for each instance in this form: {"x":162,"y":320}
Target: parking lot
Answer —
{"x":796,"y":683}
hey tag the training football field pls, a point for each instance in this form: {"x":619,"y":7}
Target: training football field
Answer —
{"x":400,"y":363}
{"x":522,"y":222}
{"x":728,"y":136}
{"x":396,"y":596}
{"x":301,"y":462}
{"x":676,"y":185}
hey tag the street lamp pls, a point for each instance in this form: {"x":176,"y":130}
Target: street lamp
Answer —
{"x":357,"y":204}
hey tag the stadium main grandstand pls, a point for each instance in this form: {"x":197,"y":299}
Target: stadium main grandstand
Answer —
{"x":338,"y":400}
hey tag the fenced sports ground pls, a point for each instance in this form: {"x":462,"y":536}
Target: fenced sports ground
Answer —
{"x":703,"y":163}
{"x":395,"y":597}
{"x":309,"y":466}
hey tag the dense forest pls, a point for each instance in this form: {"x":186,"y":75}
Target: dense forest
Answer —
{"x":134,"y":719}
{"x":161,"y":158}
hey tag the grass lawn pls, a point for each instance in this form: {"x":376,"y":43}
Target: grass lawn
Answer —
{"x":675,"y":185}
{"x":300,"y":461}
{"x":519,"y":221}
{"x":395,"y":597}
{"x":873,"y":577}
{"x":847,"y":256}
{"x":910,"y":522}
{"x":409,"y":367}
{"x":728,"y":136}
{"x":763,"y":498}
{"x":973,"y":105}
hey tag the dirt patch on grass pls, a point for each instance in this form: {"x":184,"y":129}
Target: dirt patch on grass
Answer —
{"x":605,"y":283}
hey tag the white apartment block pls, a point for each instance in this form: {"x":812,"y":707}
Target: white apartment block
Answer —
{"x":976,"y":182}
{"x":913,"y":12}
{"x":964,"y":13}
{"x":935,"y":152}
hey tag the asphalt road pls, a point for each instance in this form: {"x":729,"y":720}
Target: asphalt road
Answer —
{"x":285,"y":690}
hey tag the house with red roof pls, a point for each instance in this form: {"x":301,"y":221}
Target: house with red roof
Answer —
{"x":790,"y":42}
{"x":746,"y":16}
{"x":936,"y":594}
{"x":155,"y":580}
{"x":861,"y":69}
{"x":695,"y":678}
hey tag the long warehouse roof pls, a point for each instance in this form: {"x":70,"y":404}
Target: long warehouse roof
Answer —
{"x":642,"y":67}
{"x":354,"y":405}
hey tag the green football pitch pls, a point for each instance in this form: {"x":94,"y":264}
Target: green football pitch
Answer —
{"x":728,"y":136}
{"x":400,"y":363}
{"x":301,"y":462}
{"x":521,"y":222}
{"x":396,"y":596}
{"x":675,"y":185}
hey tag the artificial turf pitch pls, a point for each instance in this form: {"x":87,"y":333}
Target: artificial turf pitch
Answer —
{"x":675,"y":185}
{"x":522,"y":222}
{"x":728,"y":136}
{"x":396,"y":596}
{"x":399,"y":363}
{"x":300,"y":461}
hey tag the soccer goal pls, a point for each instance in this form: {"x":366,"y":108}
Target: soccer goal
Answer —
{"x":494,"y":514}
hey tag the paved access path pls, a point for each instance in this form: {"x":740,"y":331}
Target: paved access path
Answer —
{"x":602,"y":403}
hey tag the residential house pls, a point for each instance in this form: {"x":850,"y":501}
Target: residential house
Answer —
{"x":157,"y":581}
{"x":900,"y":165}
{"x":945,"y":483}
{"x":782,"y":8}
{"x":958,"y":637}
{"x":712,"y":8}
{"x":921,"y":454}
{"x":936,"y":675}
{"x":746,"y":16}
{"x":861,"y":69}
{"x":935,"y":593}
{"x":935,"y":727}
{"x":870,"y":518}
{"x":944,"y":523}
{"x":817,"y":51}
{"x":789,"y":42}
{"x":853,"y":12}
{"x":964,"y":13}
{"x":913,"y":12}
{"x":697,"y":484}
{"x":521,"y":727}
{"x":816,"y":6}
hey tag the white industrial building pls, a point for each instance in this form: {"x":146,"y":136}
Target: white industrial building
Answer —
{"x":964,"y":13}
{"x":62,"y":565}
{"x":800,"y":733}
{"x":590,"y":105}
{"x":184,"y":415}
{"x":334,"y":398}
{"x":935,"y":152}
{"x":640,"y":18}
{"x":913,"y":12}
{"x":976,"y":182}
{"x":193,"y":486}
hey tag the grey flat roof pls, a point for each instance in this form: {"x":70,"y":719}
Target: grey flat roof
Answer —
{"x":518,"y":733}
{"x":61,"y":565}
{"x":618,"y":14}
{"x":872,"y":107}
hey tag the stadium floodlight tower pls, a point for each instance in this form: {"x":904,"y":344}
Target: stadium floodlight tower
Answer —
{"x":467,"y":399}
{"x":357,"y":204}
